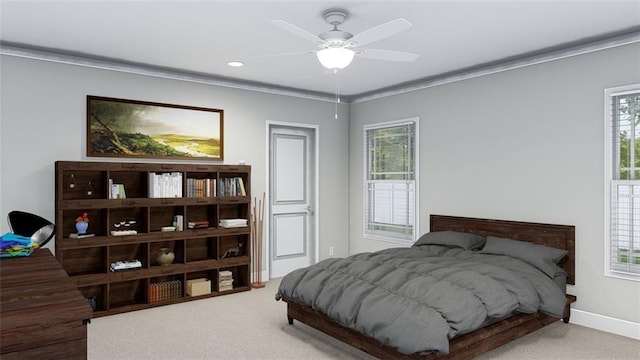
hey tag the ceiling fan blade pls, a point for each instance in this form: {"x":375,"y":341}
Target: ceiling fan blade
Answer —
{"x":381,"y":31}
{"x":297,"y":31}
{"x":389,"y":55}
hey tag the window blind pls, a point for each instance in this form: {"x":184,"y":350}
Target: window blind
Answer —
{"x":390,"y":181}
{"x":623,"y":210}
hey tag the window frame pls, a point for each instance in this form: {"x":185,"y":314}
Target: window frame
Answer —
{"x":380,"y":235}
{"x":610,"y":165}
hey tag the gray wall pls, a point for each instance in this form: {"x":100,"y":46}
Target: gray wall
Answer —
{"x":524,"y":144}
{"x":43,"y":119}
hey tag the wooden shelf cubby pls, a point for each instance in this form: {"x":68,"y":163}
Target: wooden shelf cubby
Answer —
{"x":199,"y":253}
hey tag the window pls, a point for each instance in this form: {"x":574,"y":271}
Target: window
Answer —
{"x":390,"y":181}
{"x":622,"y":207}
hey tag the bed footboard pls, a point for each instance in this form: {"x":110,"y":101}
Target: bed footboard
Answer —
{"x":467,"y":346}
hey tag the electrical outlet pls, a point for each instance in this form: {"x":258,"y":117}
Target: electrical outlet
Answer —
{"x":330,"y":250}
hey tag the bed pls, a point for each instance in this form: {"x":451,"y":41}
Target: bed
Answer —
{"x":506,"y":323}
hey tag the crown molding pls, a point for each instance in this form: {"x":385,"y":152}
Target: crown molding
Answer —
{"x":585,"y":46}
{"x":85,"y":60}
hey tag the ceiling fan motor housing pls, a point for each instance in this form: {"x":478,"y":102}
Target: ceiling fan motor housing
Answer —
{"x":335,"y":17}
{"x":336,"y":37}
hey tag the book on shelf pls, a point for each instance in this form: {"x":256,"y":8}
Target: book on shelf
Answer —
{"x":233,"y":186}
{"x":123,"y":232}
{"x":226,"y":282}
{"x":231,"y":226}
{"x":81,"y":236}
{"x":125,"y":265}
{"x":165,"y":290}
{"x":165,"y":185}
{"x":225,"y":275}
{"x":197,"y":224}
{"x":228,"y":223}
{"x":242,"y":191}
{"x":201,"y":187}
{"x":116,"y":191}
{"x":178,"y":222}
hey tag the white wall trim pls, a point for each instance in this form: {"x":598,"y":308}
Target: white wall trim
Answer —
{"x":605,"y":323}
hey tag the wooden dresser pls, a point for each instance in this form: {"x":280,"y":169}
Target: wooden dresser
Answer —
{"x":42,"y":313}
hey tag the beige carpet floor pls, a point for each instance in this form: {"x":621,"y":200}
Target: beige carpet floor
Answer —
{"x":252,"y":325}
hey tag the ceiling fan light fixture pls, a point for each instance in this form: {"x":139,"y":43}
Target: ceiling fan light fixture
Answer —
{"x":335,"y":58}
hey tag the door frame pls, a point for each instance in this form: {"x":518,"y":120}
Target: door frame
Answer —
{"x":316,"y":180}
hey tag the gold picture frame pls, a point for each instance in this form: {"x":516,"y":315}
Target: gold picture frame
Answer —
{"x":143,"y":129}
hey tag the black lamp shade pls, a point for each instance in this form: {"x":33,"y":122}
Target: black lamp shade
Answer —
{"x":40,"y":230}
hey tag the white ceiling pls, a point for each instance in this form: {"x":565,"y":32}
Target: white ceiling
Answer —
{"x":199,"y":37}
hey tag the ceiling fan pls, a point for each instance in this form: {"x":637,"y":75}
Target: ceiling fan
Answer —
{"x":337,"y":48}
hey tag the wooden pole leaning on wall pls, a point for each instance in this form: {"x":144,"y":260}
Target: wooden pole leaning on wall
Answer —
{"x":257,"y":227}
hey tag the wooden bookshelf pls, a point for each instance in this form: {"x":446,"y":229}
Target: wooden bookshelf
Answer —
{"x":199,"y":253}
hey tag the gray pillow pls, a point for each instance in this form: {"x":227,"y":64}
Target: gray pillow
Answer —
{"x":542,"y":257}
{"x":560,"y":278}
{"x":466,"y":241}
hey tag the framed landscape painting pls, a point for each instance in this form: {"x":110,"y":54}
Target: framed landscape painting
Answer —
{"x":129,"y":128}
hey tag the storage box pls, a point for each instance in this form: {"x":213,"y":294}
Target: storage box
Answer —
{"x":196,"y":287}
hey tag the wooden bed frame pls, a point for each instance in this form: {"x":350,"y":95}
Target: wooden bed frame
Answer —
{"x":482,"y":340}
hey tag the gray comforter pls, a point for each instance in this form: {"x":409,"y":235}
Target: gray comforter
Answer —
{"x":416,"y":299}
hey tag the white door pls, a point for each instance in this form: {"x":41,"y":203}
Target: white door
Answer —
{"x":292,"y":200}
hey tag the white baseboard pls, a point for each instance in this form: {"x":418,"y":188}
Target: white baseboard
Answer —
{"x":605,"y":323}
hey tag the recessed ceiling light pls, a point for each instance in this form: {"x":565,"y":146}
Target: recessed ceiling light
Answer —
{"x":235,"y":63}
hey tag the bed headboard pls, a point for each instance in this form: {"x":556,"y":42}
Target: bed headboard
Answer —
{"x":557,"y":236}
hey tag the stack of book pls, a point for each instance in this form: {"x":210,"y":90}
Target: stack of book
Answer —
{"x":198,"y":224}
{"x":125,"y":265}
{"x":225,"y":281}
{"x":165,"y":290}
{"x":230,"y":223}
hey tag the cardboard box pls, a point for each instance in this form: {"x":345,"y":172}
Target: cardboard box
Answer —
{"x":196,"y":287}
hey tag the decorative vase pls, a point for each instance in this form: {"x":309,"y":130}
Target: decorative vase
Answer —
{"x":82,"y":226}
{"x":165,"y":256}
